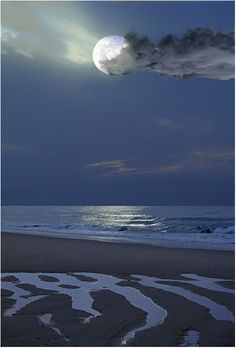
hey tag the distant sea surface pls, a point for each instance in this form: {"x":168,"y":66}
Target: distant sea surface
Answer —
{"x":187,"y":226}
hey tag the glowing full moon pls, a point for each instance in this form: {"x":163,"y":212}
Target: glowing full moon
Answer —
{"x":108,"y":50}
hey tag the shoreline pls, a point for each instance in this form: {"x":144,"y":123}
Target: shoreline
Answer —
{"x":158,"y":243}
{"x":27,"y":252}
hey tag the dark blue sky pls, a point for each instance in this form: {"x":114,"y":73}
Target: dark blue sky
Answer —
{"x":72,"y":135}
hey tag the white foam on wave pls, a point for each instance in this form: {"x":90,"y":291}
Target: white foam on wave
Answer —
{"x":223,"y":230}
{"x":196,"y":227}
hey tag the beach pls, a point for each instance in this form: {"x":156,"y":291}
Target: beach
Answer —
{"x":185,"y":319}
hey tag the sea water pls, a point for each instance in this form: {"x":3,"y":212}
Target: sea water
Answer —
{"x":187,"y":226}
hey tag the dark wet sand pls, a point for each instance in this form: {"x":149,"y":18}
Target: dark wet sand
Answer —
{"x":26,"y":253}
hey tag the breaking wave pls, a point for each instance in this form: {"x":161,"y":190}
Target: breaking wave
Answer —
{"x":147,"y":225}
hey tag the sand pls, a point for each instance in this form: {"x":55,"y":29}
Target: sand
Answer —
{"x":27,"y":253}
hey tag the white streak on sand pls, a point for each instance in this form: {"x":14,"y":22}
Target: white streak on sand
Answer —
{"x":82,"y":300}
{"x":46,"y":319}
{"x":155,"y":314}
{"x":202,"y":282}
{"x":191,"y":339}
{"x":208,"y":283}
{"x":217,"y":311}
{"x":21,"y":296}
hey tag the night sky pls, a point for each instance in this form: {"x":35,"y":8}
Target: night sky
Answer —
{"x":73,"y":135}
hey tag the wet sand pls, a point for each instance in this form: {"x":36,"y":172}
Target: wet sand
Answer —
{"x":27,"y":253}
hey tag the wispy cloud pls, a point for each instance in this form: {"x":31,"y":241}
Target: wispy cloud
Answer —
{"x":12,"y":147}
{"x":111,"y":168}
{"x":219,"y":154}
{"x":195,"y":122}
{"x":51,"y":30}
{"x":166,"y":122}
{"x":195,"y":161}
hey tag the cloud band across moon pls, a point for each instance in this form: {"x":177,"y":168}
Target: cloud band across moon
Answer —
{"x":200,"y":52}
{"x":61,"y":33}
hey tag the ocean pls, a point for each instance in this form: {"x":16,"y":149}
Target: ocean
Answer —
{"x":187,"y":226}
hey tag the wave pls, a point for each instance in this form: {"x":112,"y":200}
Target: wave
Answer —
{"x":138,"y":229}
{"x":227,"y":230}
{"x":140,"y":224}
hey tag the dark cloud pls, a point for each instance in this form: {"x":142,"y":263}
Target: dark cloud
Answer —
{"x":200,"y":52}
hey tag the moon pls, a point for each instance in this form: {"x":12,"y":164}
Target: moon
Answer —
{"x":108,"y":50}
